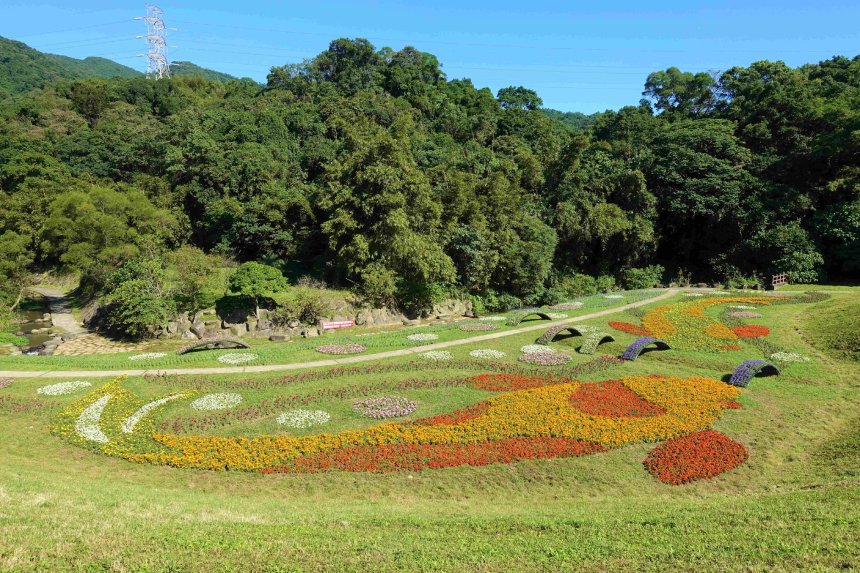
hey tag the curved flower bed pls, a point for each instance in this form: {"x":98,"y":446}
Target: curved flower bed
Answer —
{"x":341,"y":348}
{"x":634,"y":350}
{"x":422,"y":337}
{"x":613,"y":399}
{"x":592,"y":340}
{"x":220,"y":401}
{"x":493,"y":318}
{"x":148,"y":356}
{"x":456,"y":417}
{"x":477,"y":326}
{"x":385,"y":407}
{"x":63,"y":388}
{"x":437,"y":355}
{"x":751,"y":331}
{"x":749,"y":369}
{"x":545,"y":358}
{"x":487,"y":353}
{"x":237,"y":358}
{"x":789,"y":357}
{"x":634,"y":329}
{"x":300,"y":418}
{"x":87,"y":424}
{"x":516,"y":318}
{"x":695,"y":456}
{"x":613,"y":296}
{"x":536,"y":349}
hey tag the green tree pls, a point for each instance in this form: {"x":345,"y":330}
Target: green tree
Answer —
{"x":257,"y":281}
{"x":15,"y":260}
{"x":135,"y":301}
{"x":198,"y":280}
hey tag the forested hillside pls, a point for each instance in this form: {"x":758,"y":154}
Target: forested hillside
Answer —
{"x":372,"y":170}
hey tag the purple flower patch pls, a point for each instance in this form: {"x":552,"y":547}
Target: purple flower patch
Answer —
{"x":385,"y":407}
{"x":341,"y":348}
{"x":545,"y":358}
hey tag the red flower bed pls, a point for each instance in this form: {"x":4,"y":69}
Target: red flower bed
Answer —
{"x":415,"y":457}
{"x":731,"y":347}
{"x":511,"y":382}
{"x":751,"y":331}
{"x":455,"y":417}
{"x":732,"y":405}
{"x":695,"y":456}
{"x":613,"y":399}
{"x":634,"y":329}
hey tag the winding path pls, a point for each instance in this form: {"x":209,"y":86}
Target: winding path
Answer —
{"x":61,"y":316}
{"x":330,"y":362}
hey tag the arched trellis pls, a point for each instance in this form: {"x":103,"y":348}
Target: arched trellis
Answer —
{"x":634,"y":350}
{"x":749,"y":369}
{"x":212,"y":344}
{"x":594,"y":339}
{"x":552,"y":332}
{"x":517,"y":318}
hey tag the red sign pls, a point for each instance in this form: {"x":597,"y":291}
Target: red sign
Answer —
{"x":337,"y":324}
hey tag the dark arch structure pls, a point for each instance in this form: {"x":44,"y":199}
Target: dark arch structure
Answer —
{"x":640,"y":344}
{"x":517,"y":318}
{"x":591,"y":339}
{"x":749,"y":369}
{"x":212,"y":344}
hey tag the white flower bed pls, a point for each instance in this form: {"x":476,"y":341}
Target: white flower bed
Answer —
{"x":743,"y":307}
{"x":63,"y":388}
{"x":613,"y":296}
{"x":789,"y":357}
{"x":720,"y":292}
{"x":693,"y":294}
{"x":536,"y":349}
{"x":487,"y":353}
{"x":216,"y":401}
{"x":437,"y":355}
{"x":303,"y":418}
{"x":148,"y":356}
{"x":236,"y":358}
{"x":129,"y":423}
{"x":556,"y":315}
{"x":493,"y":318}
{"x":422,"y":337}
{"x":87,"y":424}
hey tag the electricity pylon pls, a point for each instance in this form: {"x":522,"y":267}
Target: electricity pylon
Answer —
{"x":157,"y":65}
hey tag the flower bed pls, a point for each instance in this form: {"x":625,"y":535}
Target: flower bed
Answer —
{"x":456,"y":417}
{"x":422,"y":337}
{"x":567,"y":306}
{"x":789,"y":357}
{"x":220,"y":401}
{"x":493,"y":318}
{"x":87,"y":424}
{"x":477,"y":326}
{"x":5,"y":382}
{"x":63,"y":388}
{"x":148,"y":356}
{"x":545,"y":358}
{"x":751,"y":331}
{"x":437,"y":356}
{"x":237,"y":358}
{"x":613,"y":296}
{"x":516,"y":318}
{"x":300,"y":418}
{"x":385,"y":407}
{"x":629,"y":328}
{"x":749,"y":369}
{"x":744,"y":314}
{"x":634,"y":350}
{"x":592,"y":340}
{"x":536,"y":349}
{"x":613,"y":399}
{"x":487,"y":353}
{"x":341,"y":348}
{"x":695,"y":456}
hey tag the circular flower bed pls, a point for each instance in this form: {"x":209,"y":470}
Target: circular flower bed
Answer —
{"x":422,"y":337}
{"x":567,"y":306}
{"x":744,"y":314}
{"x":536,"y":349}
{"x":695,"y":456}
{"x":216,"y":401}
{"x":487,"y":353}
{"x":789,"y":357}
{"x":236,"y":358}
{"x":545,"y":358}
{"x":493,"y":318}
{"x":341,"y":348}
{"x":148,"y":356}
{"x":437,"y":355}
{"x":743,"y":307}
{"x":63,"y":388}
{"x":751,"y":331}
{"x":303,"y":418}
{"x":476,"y":326}
{"x":385,"y":407}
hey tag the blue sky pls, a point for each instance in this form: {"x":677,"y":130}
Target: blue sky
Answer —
{"x":579,"y":56}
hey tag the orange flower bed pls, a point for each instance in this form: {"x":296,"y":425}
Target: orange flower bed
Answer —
{"x":629,"y":328}
{"x":695,"y":456}
{"x":512,"y":382}
{"x":751,"y":331}
{"x":614,"y":399}
{"x":415,"y":457}
{"x":455,"y":417}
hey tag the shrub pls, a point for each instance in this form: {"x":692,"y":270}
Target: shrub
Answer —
{"x":256,"y":280}
{"x":577,"y":285}
{"x":136,"y":303}
{"x":501,"y":302}
{"x":641,"y":278}
{"x":306,"y":305}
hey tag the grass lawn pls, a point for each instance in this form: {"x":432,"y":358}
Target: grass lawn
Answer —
{"x":791,"y":507}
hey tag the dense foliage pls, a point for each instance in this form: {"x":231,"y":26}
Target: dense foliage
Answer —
{"x":370,"y":169}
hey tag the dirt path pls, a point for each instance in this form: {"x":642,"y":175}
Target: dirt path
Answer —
{"x":61,"y":315}
{"x":330,"y":362}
